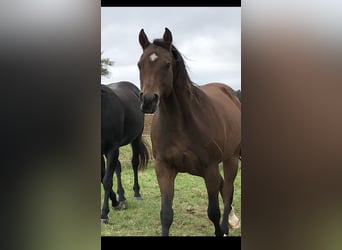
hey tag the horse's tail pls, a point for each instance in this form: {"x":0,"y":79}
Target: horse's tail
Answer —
{"x":144,"y":155}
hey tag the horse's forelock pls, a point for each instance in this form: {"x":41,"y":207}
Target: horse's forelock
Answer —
{"x":161,"y":43}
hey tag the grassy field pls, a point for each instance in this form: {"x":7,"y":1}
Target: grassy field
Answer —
{"x":141,"y":218}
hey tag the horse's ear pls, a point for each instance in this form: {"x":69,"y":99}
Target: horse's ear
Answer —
{"x":167,"y":36}
{"x":143,"y":40}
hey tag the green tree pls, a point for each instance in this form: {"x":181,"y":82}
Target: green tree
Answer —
{"x":105,"y":62}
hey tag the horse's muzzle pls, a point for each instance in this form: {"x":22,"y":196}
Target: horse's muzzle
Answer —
{"x":149,"y":102}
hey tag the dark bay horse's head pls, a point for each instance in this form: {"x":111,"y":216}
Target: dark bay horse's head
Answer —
{"x":155,"y":66}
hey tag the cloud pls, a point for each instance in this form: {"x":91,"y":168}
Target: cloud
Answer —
{"x":209,"y":39}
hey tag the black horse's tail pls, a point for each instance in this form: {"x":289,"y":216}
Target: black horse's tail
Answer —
{"x":144,"y":155}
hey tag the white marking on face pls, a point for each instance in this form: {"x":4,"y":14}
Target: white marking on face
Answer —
{"x":153,"y":57}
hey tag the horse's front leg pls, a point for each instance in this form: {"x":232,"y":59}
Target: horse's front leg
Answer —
{"x":166,"y":177}
{"x":108,"y":183}
{"x":112,"y":195}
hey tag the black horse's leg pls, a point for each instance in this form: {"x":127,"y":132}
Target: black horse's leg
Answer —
{"x":166,"y":178}
{"x":212,"y":180}
{"x":108,"y":182}
{"x":121,"y":192}
{"x":135,"y":164}
{"x":230,"y":168}
{"x":112,"y":195}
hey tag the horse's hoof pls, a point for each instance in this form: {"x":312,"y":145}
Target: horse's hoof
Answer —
{"x":104,"y":221}
{"x":122,"y":205}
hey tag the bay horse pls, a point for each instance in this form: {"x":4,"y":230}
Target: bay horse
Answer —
{"x":194,"y":128}
{"x":122,"y":123}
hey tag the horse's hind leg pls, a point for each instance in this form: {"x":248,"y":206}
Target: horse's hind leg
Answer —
{"x":120,"y":189}
{"x":230,"y":168}
{"x":135,"y":164}
{"x":212,"y":180}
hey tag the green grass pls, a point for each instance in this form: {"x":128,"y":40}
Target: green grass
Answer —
{"x":141,"y":218}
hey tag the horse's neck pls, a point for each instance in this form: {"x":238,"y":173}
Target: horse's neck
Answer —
{"x":179,"y":107}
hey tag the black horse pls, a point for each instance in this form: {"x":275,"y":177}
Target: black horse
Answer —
{"x":122,"y":123}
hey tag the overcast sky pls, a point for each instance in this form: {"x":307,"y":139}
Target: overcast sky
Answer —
{"x":209,"y":38}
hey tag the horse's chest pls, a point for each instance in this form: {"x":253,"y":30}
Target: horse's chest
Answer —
{"x":182,"y":158}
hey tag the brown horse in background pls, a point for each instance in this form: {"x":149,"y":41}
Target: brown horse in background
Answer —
{"x":194,"y":128}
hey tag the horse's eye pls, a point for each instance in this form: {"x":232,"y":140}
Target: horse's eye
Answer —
{"x":167,"y":65}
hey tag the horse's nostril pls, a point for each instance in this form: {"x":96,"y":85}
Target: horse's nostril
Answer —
{"x":147,"y":97}
{"x":149,"y":102}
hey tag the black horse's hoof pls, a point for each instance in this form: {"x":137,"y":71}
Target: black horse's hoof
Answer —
{"x":104,"y":221}
{"x":122,"y":205}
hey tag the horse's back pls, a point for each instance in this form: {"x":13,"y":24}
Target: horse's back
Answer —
{"x":125,"y":89}
{"x":220,"y":92}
